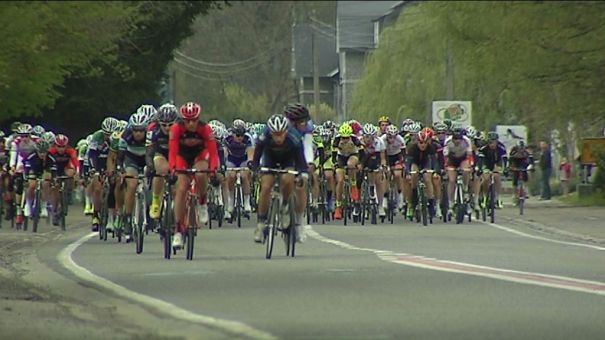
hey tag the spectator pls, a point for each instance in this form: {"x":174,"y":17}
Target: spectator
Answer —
{"x":565,"y":175}
{"x":546,"y":167}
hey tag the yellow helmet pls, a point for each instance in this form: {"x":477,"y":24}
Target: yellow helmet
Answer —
{"x":345,"y":130}
{"x":384,"y":119}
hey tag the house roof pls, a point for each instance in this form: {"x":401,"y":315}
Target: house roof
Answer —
{"x":303,"y":54}
{"x":354,"y":22}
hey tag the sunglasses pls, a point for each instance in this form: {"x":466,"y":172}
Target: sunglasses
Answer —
{"x":139,"y":130}
{"x":239,"y":135}
{"x":166,"y":125}
{"x":190,"y":120}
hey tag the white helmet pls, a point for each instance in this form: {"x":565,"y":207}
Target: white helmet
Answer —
{"x":148,"y":110}
{"x":138,"y":120}
{"x":109,"y":125}
{"x":414,"y":127}
{"x":369,"y":130}
{"x":48,"y":137}
{"x":238,"y":123}
{"x":392,"y":130}
{"x":277,"y":123}
{"x":24,"y":129}
{"x":471,"y":132}
{"x":38,"y":130}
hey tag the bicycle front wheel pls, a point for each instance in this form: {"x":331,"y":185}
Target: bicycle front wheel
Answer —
{"x":139,"y":216}
{"x":271,"y":230}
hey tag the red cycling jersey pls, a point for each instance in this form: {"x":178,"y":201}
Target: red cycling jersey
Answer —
{"x":67,"y":159}
{"x":185,"y":148}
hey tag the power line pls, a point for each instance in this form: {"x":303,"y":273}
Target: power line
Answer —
{"x":195,"y":75}
{"x":207,"y":63}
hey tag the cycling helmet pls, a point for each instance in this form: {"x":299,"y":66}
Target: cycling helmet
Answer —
{"x":471,"y":132}
{"x":121,"y":126}
{"x":217,"y":123}
{"x":81,"y":143}
{"x":215,"y":129}
{"x":345,"y":130}
{"x":392,"y":130}
{"x":48,"y":137}
{"x":190,"y":111}
{"x":167,"y":113}
{"x":480,"y":135}
{"x":369,"y":130}
{"x":427,"y":131}
{"x":318,"y":130}
{"x":407,"y":121}
{"x":414,"y":127}
{"x":440,"y":127}
{"x":138,"y":120}
{"x":424,"y":136}
{"x":15,"y":126}
{"x":109,"y":125}
{"x":448,"y":123}
{"x":458,"y":132}
{"x":148,"y":110}
{"x":239,"y":123}
{"x":328,"y":124}
{"x":296,"y":112}
{"x":492,"y":136}
{"x":355,"y":126}
{"x":38,"y":130}
{"x":239,"y":130}
{"x":42,"y":146}
{"x":259,"y":128}
{"x":277,"y":123}
{"x":24,"y":129}
{"x":61,"y":140}
{"x":385,"y":119}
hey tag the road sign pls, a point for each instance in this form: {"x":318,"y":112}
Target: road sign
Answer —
{"x":458,"y":111}
{"x":510,"y":135}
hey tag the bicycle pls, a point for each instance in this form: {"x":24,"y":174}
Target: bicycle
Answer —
{"x":191,"y":220}
{"x":369,"y":202}
{"x":274,"y":218}
{"x":347,"y":205}
{"x":392,"y":198}
{"x":489,"y":206}
{"x":520,"y":190}
{"x":421,"y":208}
{"x":460,"y":203}
{"x":63,"y":207}
{"x":166,"y":219}
{"x":139,"y":216}
{"x":238,"y":208}
{"x":104,"y":213}
{"x":36,"y":209}
{"x":216,"y":208}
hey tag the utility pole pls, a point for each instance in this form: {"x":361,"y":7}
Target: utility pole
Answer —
{"x":315,"y":51}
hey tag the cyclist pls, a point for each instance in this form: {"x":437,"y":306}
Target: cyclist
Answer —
{"x":115,"y":200}
{"x":280,"y":147}
{"x":395,"y":150}
{"x":157,"y":153}
{"x":492,"y":158}
{"x":373,"y":157}
{"x":383,"y":123}
{"x":38,"y":164}
{"x":458,"y":155}
{"x":131,"y":157}
{"x":520,"y":158}
{"x":345,"y":153}
{"x":440,"y":134}
{"x":421,"y":155}
{"x":21,"y":147}
{"x":321,"y":156}
{"x":191,"y":145}
{"x":240,"y":151}
{"x":5,"y":178}
{"x":66,"y":162}
{"x":475,"y":180}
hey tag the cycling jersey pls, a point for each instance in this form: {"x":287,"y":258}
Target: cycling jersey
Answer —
{"x":454,"y":153}
{"x":370,"y":155}
{"x":306,"y":134}
{"x":131,"y":151}
{"x":491,"y":157}
{"x":424,"y":159}
{"x":236,"y":150}
{"x":346,"y":147}
{"x":67,"y":159}
{"x":98,"y":149}
{"x":188,"y":147}
{"x":21,"y":148}
{"x":289,"y":154}
{"x":35,"y":166}
{"x":156,"y":144}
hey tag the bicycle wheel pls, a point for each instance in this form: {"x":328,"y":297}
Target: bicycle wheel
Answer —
{"x":167,"y":225}
{"x":36,"y":211}
{"x":139,"y":219}
{"x":345,"y":203}
{"x":459,"y":210}
{"x":291,"y":236}
{"x":63,"y":209}
{"x":521,"y":195}
{"x":492,"y":203}
{"x":271,"y":230}
{"x":423,"y":206}
{"x":191,"y":229}
{"x":238,"y":206}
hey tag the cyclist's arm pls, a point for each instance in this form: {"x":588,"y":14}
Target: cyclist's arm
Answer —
{"x":149,"y":153}
{"x":258,"y":150}
{"x":308,"y":147}
{"x":173,"y":145}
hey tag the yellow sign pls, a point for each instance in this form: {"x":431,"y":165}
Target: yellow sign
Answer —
{"x":589,"y":146}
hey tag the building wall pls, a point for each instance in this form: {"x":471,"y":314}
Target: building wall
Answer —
{"x":351,"y":68}
{"x":326,"y":91}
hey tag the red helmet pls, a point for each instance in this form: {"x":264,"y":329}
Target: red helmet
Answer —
{"x":61,"y":140}
{"x":355,"y":126}
{"x":425,"y":136}
{"x":190,"y":110}
{"x":428,"y":132}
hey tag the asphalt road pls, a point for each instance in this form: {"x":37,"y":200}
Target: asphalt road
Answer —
{"x":537,"y":276}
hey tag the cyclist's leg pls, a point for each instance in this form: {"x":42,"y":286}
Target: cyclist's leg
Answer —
{"x":246,"y":178}
{"x":230,"y":187}
{"x":497,"y":183}
{"x":352,"y":162}
{"x":182,"y":185}
{"x":201,"y":184}
{"x":161,"y":166}
{"x":330,"y":183}
{"x":451,"y":177}
{"x":29,"y":196}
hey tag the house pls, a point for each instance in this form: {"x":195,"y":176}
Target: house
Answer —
{"x":358,"y":26}
{"x":302,"y":63}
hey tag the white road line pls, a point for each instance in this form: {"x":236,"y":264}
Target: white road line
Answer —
{"x":538,"y":279}
{"x":232,"y":327}
{"x":520,"y":233}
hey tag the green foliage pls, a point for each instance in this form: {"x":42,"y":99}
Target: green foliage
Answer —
{"x":241,"y":103}
{"x":326,"y":112}
{"x":533,"y":63}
